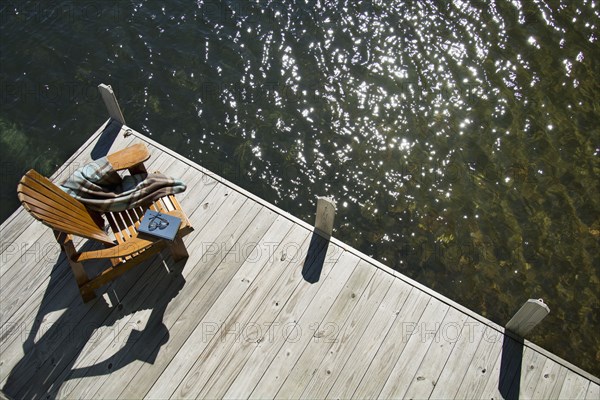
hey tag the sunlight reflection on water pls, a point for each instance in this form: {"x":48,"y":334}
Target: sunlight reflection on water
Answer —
{"x":460,"y":138}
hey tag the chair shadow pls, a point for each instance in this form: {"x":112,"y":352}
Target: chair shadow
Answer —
{"x":509,"y":382}
{"x":48,"y":362}
{"x":315,"y":258}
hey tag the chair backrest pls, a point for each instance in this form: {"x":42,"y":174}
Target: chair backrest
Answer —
{"x":56,"y":209}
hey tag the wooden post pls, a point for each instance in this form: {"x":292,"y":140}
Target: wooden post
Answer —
{"x":111,"y":103}
{"x":528,"y":316}
{"x":325,"y":216}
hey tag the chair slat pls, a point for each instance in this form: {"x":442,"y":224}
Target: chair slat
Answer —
{"x":36,"y":177}
{"x":43,"y":192}
{"x":122,"y":226}
{"x":135,"y":247}
{"x":65,"y":227}
{"x":129,"y":224}
{"x":28,"y":195}
{"x":135,"y":220}
{"x":123,"y":230}
{"x":55,"y":208}
{"x":160,"y":206}
{"x":69,"y":214}
{"x":133,"y":224}
{"x":135,"y":213}
{"x":129,"y":230}
{"x":115,"y":228}
{"x":43,"y":213}
{"x":53,"y":199}
{"x":168,"y":204}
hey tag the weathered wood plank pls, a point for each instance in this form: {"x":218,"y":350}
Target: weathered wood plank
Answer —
{"x":593,"y":392}
{"x":42,"y":312}
{"x":42,"y":370}
{"x":288,"y":372}
{"x":247,"y":327}
{"x":361,"y":356}
{"x":574,"y":387}
{"x":157,"y":330}
{"x":286,"y":326}
{"x":140,"y":350}
{"x":28,"y":331}
{"x":420,"y":340}
{"x":206,"y":212}
{"x":500,"y":377}
{"x":426,"y":377}
{"x":552,"y":376}
{"x":18,"y":296}
{"x":234,"y":256}
{"x":200,"y":354}
{"x":531,"y":371}
{"x":100,"y":356}
{"x":547,"y":378}
{"x":329,"y":331}
{"x":205,"y":286}
{"x":334,"y":357}
{"x":560,"y":379}
{"x":460,"y":358}
{"x":280,"y":291}
{"x":478,"y":371}
{"x":394,"y":343}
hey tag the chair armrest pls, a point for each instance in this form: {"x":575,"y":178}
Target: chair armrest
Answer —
{"x":122,"y":250}
{"x":129,"y":157}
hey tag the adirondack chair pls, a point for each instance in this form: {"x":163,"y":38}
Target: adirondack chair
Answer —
{"x":68,"y":217}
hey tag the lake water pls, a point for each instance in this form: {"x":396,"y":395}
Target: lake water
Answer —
{"x":460,"y":139}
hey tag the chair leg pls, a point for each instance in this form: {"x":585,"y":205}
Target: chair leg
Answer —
{"x":178,"y":250}
{"x":87,"y":295}
{"x":81,"y":277}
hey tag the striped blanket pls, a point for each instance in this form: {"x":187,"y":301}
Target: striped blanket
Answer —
{"x":99,"y":187}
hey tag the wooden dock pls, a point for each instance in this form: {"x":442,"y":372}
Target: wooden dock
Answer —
{"x":263,"y":308}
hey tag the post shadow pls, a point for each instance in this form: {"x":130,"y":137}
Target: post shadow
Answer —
{"x":509,"y":382}
{"x":315,"y":258}
{"x":48,"y":362}
{"x":106,"y":139}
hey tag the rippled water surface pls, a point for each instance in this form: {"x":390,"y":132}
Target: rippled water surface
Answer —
{"x":460,"y":138}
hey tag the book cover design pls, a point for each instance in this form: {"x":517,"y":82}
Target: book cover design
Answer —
{"x":160,"y":225}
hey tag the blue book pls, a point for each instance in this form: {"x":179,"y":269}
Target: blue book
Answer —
{"x":161,"y":225}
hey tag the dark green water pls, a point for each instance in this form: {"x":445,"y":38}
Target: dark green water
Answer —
{"x":460,"y":139}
